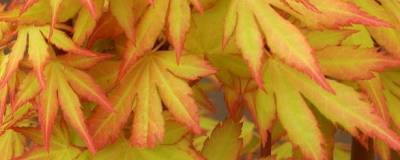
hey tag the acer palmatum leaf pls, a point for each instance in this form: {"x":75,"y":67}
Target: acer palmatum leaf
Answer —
{"x":284,"y":39}
{"x":149,"y":82}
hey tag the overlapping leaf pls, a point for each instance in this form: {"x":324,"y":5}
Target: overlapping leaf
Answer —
{"x":85,"y":24}
{"x":330,"y":14}
{"x":12,"y":144}
{"x":122,"y":150}
{"x":63,"y":83}
{"x":224,"y":142}
{"x":152,"y":80}
{"x":345,"y":108}
{"x":38,"y":50}
{"x":353,"y":63}
{"x":40,"y":12}
{"x":60,"y":147}
{"x":174,"y":14}
{"x":254,"y":21}
{"x":389,"y":38}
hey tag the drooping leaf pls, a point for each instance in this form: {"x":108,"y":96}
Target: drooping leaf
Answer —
{"x":249,"y":39}
{"x":345,"y":108}
{"x":333,"y":13}
{"x":284,"y":39}
{"x":352,"y":63}
{"x":224,"y":142}
{"x":153,"y":74}
{"x":295,"y":116}
{"x":263,"y":110}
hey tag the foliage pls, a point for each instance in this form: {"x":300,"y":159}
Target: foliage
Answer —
{"x":138,"y":79}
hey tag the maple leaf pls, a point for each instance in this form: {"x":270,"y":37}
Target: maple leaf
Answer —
{"x":344,"y":108}
{"x":388,"y":38}
{"x":59,"y":145}
{"x":62,"y":82}
{"x":151,"y":80}
{"x":295,"y":116}
{"x":123,"y":12}
{"x":38,"y":50}
{"x":122,"y":150}
{"x":56,"y":4}
{"x":7,"y":92}
{"x":85,"y":24}
{"x":11,"y":144}
{"x":332,"y":13}
{"x":320,"y":39}
{"x":391,"y":91}
{"x":374,"y":89}
{"x":40,"y":12}
{"x":174,"y":14}
{"x":353,"y":63}
{"x":254,"y":21}
{"x":224,"y":142}
{"x":263,"y":111}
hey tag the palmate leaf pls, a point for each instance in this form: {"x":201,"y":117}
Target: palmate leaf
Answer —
{"x":174,"y":14}
{"x":60,"y":147}
{"x":63,"y":83}
{"x":263,"y":111}
{"x":295,"y":116}
{"x":330,"y":14}
{"x":256,"y":21}
{"x":56,"y":4}
{"x":392,"y":91}
{"x":320,"y":39}
{"x":345,"y":108}
{"x":12,"y":143}
{"x":38,"y":50}
{"x":123,"y":12}
{"x":353,"y":63}
{"x":181,"y":150}
{"x":224,"y":142}
{"x":40,"y":12}
{"x":388,"y":38}
{"x":7,"y":92}
{"x":154,"y":78}
{"x":85,"y":24}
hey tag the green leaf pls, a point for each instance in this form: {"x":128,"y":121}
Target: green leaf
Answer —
{"x":149,"y":82}
{"x":60,"y":147}
{"x":353,"y":63}
{"x":123,"y":151}
{"x":123,"y":12}
{"x":344,"y":108}
{"x":295,"y":116}
{"x":224,"y":142}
